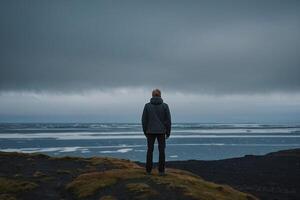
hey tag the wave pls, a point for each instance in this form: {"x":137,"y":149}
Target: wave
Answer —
{"x":91,"y":136}
{"x":75,"y":132}
{"x":126,"y":150}
{"x":104,"y":126}
{"x":239,"y":131}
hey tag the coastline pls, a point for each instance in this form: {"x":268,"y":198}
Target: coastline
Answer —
{"x":271,"y":176}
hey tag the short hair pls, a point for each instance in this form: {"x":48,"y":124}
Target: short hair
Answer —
{"x":156,"y":93}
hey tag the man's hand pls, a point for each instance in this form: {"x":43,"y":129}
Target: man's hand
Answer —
{"x":167,"y":135}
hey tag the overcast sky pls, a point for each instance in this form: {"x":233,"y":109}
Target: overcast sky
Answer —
{"x":97,"y":61}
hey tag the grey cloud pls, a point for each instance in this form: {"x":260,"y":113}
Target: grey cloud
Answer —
{"x":207,"y":46}
{"x":100,"y":106}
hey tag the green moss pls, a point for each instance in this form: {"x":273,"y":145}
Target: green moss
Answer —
{"x":38,"y":155}
{"x":113,"y":162}
{"x":28,"y":156}
{"x":135,"y":179}
{"x":88,"y":184}
{"x":7,"y":197}
{"x":188,"y":184}
{"x":15,"y":186}
{"x":14,"y":154}
{"x":141,"y":190}
{"x":68,"y":158}
{"x":108,"y":197}
{"x":129,"y":176}
{"x":195,"y":187}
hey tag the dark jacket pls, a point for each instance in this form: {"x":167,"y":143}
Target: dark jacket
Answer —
{"x":156,"y":117}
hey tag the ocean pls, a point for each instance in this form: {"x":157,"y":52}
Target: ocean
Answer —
{"x":200,"y":141}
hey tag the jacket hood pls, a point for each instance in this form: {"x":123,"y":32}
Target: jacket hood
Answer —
{"x":156,"y":100}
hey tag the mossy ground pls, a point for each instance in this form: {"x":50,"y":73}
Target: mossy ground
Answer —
{"x":108,"y":197}
{"x":37,"y":176}
{"x":10,"y":188}
{"x":141,"y":190}
{"x":135,"y":183}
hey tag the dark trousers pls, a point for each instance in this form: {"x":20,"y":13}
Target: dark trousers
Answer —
{"x":161,"y":148}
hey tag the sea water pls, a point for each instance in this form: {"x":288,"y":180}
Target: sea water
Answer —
{"x":126,"y":140}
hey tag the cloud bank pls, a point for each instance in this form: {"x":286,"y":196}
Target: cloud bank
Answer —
{"x":230,"y":47}
{"x":120,"y":105}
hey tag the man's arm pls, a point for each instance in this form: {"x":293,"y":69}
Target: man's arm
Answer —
{"x":168,"y":121}
{"x":145,"y":119}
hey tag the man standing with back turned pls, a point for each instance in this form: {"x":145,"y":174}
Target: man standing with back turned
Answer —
{"x":156,"y":121}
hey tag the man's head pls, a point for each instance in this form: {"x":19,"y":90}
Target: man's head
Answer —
{"x":156,"y":93}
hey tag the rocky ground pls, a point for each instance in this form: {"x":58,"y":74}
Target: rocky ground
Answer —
{"x":37,"y":176}
{"x":269,"y":177}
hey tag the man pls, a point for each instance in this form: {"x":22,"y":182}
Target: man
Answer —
{"x":156,"y":121}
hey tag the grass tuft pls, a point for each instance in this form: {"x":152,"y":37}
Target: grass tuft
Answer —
{"x":15,"y":186}
{"x":141,"y":190}
{"x":108,"y":197}
{"x":7,"y":197}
